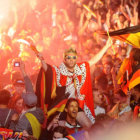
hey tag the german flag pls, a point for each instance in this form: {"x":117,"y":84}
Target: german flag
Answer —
{"x":126,"y":66}
{"x":124,"y":73}
{"x":58,"y":105}
{"x":136,"y":112}
{"x":135,"y":80}
{"x":126,"y":77}
{"x":130,"y":35}
{"x":45,"y":88}
{"x":46,"y":92}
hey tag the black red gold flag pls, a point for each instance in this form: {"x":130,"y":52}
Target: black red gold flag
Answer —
{"x":130,"y":35}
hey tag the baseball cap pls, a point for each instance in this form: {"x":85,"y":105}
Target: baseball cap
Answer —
{"x":29,"y":99}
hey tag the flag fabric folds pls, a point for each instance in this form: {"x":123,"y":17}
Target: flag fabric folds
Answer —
{"x":130,"y":35}
{"x":46,"y":83}
{"x":135,"y":80}
{"x":124,"y":73}
{"x":126,"y":76}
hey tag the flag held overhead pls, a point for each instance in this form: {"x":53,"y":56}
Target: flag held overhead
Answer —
{"x":130,"y":35}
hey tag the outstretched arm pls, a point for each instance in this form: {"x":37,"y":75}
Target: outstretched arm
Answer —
{"x":44,"y":65}
{"x":28,"y":83}
{"x":99,"y":55}
{"x":30,"y":43}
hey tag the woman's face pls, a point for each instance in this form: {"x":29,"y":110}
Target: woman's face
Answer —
{"x":19,"y":105}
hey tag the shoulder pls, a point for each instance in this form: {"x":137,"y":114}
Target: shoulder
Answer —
{"x":38,"y":113}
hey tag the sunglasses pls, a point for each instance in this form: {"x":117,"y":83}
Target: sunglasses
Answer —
{"x":71,"y":57}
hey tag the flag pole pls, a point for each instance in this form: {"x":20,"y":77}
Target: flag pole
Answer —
{"x":111,"y":39}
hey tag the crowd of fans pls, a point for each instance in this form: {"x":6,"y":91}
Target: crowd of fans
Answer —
{"x":50,"y":23}
{"x":54,"y":26}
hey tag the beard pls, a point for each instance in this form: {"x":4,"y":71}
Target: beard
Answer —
{"x":72,"y":116}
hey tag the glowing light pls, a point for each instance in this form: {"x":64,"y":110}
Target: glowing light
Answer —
{"x":4,"y":8}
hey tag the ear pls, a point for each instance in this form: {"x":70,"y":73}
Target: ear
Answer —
{"x":64,"y":60}
{"x":66,"y":109}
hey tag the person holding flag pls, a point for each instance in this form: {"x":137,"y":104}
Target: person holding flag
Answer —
{"x":69,"y":80}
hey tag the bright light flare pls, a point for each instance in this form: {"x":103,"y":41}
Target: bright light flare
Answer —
{"x":5,"y":6}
